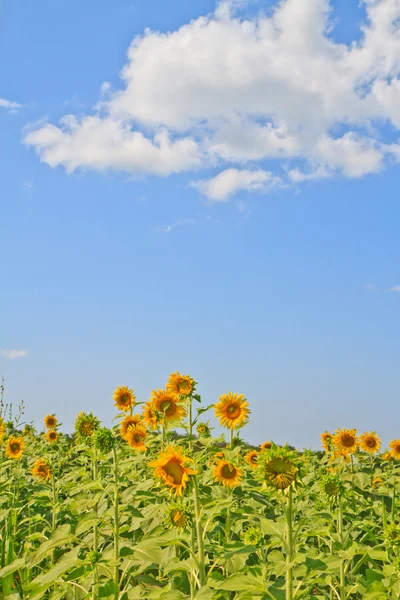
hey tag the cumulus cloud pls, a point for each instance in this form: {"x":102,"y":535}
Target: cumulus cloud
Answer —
{"x":13,"y":354}
{"x":229,"y":91}
{"x":9,"y":105}
{"x":221,"y":187}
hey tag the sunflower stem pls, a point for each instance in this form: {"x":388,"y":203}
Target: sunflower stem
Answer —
{"x":231,"y":438}
{"x":95,"y":530}
{"x":342,"y":582}
{"x":199,"y":532}
{"x":116,"y":525}
{"x":53,"y":509}
{"x":394,"y":499}
{"x":190,"y":423}
{"x":289,"y":545}
{"x":384,"y":517}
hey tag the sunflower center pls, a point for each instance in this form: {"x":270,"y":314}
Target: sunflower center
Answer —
{"x":167,"y":407}
{"x":14,"y":447}
{"x":348,"y":440}
{"x":125,"y":399}
{"x":174,"y":470}
{"x":87,"y":429}
{"x":279,"y":466}
{"x":253,"y":459}
{"x":232,"y":411}
{"x":228,"y":472}
{"x":179,"y":518}
{"x":370,"y":442}
{"x":137,"y":438}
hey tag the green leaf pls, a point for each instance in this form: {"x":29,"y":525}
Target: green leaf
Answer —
{"x":149,"y":550}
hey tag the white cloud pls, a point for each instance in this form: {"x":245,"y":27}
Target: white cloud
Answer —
{"x":227,"y":91}
{"x":13,"y":354}
{"x":395,"y":288}
{"x":178,"y":223}
{"x":9,"y":105}
{"x":221,"y":187}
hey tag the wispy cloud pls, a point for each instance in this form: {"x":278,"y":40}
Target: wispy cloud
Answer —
{"x":179,"y":223}
{"x":395,"y":288}
{"x":371,"y":287}
{"x":13,"y":354}
{"x":9,"y":105}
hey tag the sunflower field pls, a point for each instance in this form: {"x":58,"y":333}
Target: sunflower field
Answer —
{"x":158,"y":508}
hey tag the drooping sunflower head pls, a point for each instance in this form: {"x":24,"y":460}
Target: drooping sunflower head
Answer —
{"x":15,"y":447}
{"x":327,"y":440}
{"x":203,"y":429}
{"x":332,"y":486}
{"x":278,"y":467}
{"x":265,"y":446}
{"x":124,"y":398}
{"x":135,"y":436}
{"x":178,"y":517}
{"x":345,"y":440}
{"x":50,"y":422}
{"x":227,"y":474}
{"x":167,"y":407}
{"x":251,"y":458}
{"x":394,"y":446}
{"x":253,"y":536}
{"x":85,"y":425}
{"x":370,"y":442}
{"x":128,"y":421}
{"x":52,"y":436}
{"x":41,"y":470}
{"x":232,"y":410}
{"x":149,"y":415}
{"x":103,"y":440}
{"x":377,"y":482}
{"x":171,"y":467}
{"x":180,"y":385}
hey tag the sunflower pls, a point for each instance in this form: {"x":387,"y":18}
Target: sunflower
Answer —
{"x":149,"y":415}
{"x":386,"y":456}
{"x":50,"y":422}
{"x":232,"y":410}
{"x":2,"y":429}
{"x":227,"y":474}
{"x":266,"y":446}
{"x":14,"y":448}
{"x":124,"y":398}
{"x":127,"y":422}
{"x":52,"y":436}
{"x":171,"y":468}
{"x":326,"y":439}
{"x":377,"y":482}
{"x":394,"y":446}
{"x":251,"y":458}
{"x":135,"y":437}
{"x":167,"y":405}
{"x":41,"y":470}
{"x":345,"y":440}
{"x":370,"y":442}
{"x":85,"y":425}
{"x":332,"y":486}
{"x":280,"y":472}
{"x":180,"y":385}
{"x":178,"y":517}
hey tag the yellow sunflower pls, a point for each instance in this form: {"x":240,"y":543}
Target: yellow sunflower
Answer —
{"x":167,"y":405}
{"x":232,"y":410}
{"x":180,"y":385}
{"x":178,"y":517}
{"x":386,"y":456}
{"x":52,"y":436}
{"x":50,"y":422}
{"x":377,"y":482}
{"x":266,"y":446}
{"x":124,"y":398}
{"x":345,"y":440}
{"x":251,"y":458}
{"x":149,"y":415}
{"x":227,"y":474}
{"x":127,"y":422}
{"x":280,"y":472}
{"x":327,"y":440}
{"x":41,"y":470}
{"x":2,"y":429}
{"x":370,"y":442}
{"x":15,"y":447}
{"x":135,"y":437}
{"x":170,"y":467}
{"x":85,"y":425}
{"x":394,"y":446}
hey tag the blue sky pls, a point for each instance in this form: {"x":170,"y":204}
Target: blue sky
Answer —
{"x":122,"y":263}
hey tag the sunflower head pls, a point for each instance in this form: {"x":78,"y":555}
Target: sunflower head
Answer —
{"x":149,"y":415}
{"x":128,"y":421}
{"x":103,"y":440}
{"x":28,"y":430}
{"x":394,"y":446}
{"x":345,"y":440}
{"x":178,"y":517}
{"x":52,"y":436}
{"x":253,"y":536}
{"x":227,"y":474}
{"x":232,"y":410}
{"x":50,"y":422}
{"x":386,"y":456}
{"x":124,"y":398}
{"x":266,"y":446}
{"x":251,"y":458}
{"x":370,"y":442}
{"x":3,"y":429}
{"x":135,"y":437}
{"x":180,"y":385}
{"x":203,"y":429}
{"x":171,"y":467}
{"x":167,"y":407}
{"x":86,"y":425}
{"x":278,"y":467}
{"x":15,"y":447}
{"x":332,"y":486}
{"x":377,"y":482}
{"x":41,"y":470}
{"x":327,"y":440}
{"x":392,"y":535}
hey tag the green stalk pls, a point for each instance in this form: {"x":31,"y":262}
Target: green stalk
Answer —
{"x":384,"y":517}
{"x":342,"y":583}
{"x":95,"y":531}
{"x":190,"y":423}
{"x":200,"y":540}
{"x":116,"y":525}
{"x":289,"y":546}
{"x":394,"y":499}
{"x":53,"y":511}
